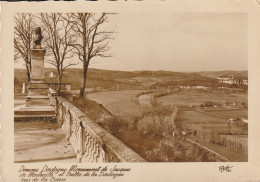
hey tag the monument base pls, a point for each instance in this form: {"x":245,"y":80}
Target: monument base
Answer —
{"x":34,"y":101}
{"x":37,"y":107}
{"x":37,"y":94}
{"x":34,"y":113}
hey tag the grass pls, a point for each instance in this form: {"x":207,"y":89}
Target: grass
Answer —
{"x":119,"y":103}
{"x":196,"y":117}
{"x":239,"y":113}
{"x":95,"y":111}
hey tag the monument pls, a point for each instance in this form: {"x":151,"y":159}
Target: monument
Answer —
{"x":37,"y":89}
{"x":37,"y":101}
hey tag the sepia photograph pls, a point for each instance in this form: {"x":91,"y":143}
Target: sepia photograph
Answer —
{"x":85,"y":89}
{"x":129,"y":91}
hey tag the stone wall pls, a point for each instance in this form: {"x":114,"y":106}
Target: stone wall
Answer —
{"x":91,"y":142}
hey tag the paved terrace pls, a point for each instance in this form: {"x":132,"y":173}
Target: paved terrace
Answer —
{"x":40,"y":141}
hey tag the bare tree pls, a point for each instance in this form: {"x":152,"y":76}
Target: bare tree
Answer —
{"x":93,"y":39}
{"x":58,"y":38}
{"x":23,"y":39}
{"x":17,"y":56}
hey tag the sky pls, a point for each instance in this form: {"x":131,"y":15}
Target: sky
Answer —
{"x":182,"y":42}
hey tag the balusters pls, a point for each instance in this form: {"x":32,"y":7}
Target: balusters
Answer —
{"x":102,"y":155}
{"x":99,"y":154}
{"x":66,"y":124}
{"x":91,"y":149}
{"x":72,"y":138}
{"x":79,"y":142}
{"x":87,"y":146}
{"x":84,"y":135}
{"x":84,"y":145}
{"x":94,"y":155}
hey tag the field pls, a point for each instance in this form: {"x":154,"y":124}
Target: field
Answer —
{"x":191,"y":117}
{"x":122,"y":103}
{"x":197,"y":98}
{"x":226,"y":113}
{"x":119,"y":103}
{"x":194,"y":117}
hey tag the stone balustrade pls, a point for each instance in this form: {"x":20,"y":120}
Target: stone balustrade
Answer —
{"x":91,"y":142}
{"x":64,"y":86}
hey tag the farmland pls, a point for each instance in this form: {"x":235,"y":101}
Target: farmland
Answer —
{"x":197,"y":98}
{"x":119,"y":103}
{"x":190,"y":115}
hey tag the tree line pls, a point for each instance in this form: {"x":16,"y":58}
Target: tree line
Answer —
{"x":65,"y":36}
{"x":209,"y":82}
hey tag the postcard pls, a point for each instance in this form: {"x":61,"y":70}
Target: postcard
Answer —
{"x":130,"y":91}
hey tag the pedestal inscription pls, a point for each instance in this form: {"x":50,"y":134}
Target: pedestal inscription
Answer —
{"x":37,"y":89}
{"x":37,"y":63}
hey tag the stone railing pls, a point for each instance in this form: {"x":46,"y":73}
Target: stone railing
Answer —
{"x":64,"y":86}
{"x":91,"y":142}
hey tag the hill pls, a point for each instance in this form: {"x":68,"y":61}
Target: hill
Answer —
{"x":214,"y":74}
{"x":110,"y":78}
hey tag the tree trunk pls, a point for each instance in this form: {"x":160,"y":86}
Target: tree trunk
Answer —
{"x":84,"y":57}
{"x":28,"y":74}
{"x":59,"y":83}
{"x":83,"y":83}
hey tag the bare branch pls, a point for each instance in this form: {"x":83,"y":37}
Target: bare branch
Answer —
{"x":92,"y":39}
{"x":23,"y":38}
{"x":58,"y":33}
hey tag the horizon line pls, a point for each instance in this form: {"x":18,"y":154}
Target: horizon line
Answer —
{"x":147,"y":70}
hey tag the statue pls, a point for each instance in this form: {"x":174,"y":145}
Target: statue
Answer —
{"x":37,"y":38}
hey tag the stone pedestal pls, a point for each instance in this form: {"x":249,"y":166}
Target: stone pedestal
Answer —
{"x":37,"y":89}
{"x":37,"y":105}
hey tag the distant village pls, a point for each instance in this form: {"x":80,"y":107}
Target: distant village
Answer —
{"x":231,"y":80}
